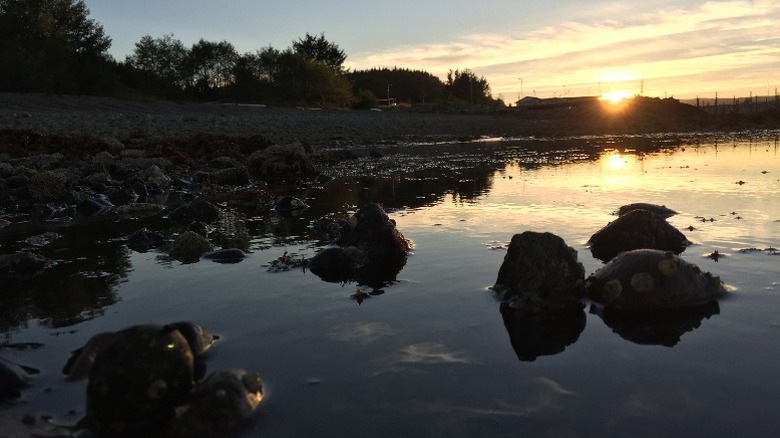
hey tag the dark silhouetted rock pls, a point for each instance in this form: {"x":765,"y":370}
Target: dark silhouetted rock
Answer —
{"x":278,"y":163}
{"x":189,"y":246}
{"x":648,"y":279}
{"x":289,"y":205}
{"x":197,"y":210}
{"x":219,"y":405}
{"x":23,"y":265}
{"x":370,"y":250}
{"x":143,"y":240}
{"x":540,"y":274}
{"x":96,"y":206}
{"x":13,"y":378}
{"x":137,"y":381}
{"x":636,"y":229}
{"x":660,"y":210}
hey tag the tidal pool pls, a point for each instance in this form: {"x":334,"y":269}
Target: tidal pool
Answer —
{"x":432,"y":355}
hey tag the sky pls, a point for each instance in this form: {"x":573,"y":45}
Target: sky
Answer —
{"x":658,"y":48}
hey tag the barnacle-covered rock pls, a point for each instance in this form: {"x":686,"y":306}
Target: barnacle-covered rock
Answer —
{"x":647,"y":279}
{"x":636,"y":229}
{"x":189,"y":246}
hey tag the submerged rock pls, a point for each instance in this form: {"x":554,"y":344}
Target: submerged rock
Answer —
{"x":649,"y":279}
{"x":227,"y":255}
{"x":636,"y":229}
{"x":540,"y":274}
{"x":289,"y":205}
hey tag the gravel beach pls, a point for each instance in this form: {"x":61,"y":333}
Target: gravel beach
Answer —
{"x":122,"y":119}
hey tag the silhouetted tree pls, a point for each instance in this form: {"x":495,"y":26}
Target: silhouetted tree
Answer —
{"x":210,"y":65}
{"x":412,"y":86}
{"x":52,"y":46}
{"x":317,"y":48}
{"x":163,"y":57}
{"x":300,"y":79}
{"x":465,"y":85}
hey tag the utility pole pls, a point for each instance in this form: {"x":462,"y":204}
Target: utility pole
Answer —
{"x":521,"y":87}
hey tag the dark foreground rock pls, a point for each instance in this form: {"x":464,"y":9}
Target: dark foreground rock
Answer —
{"x":540,"y":274}
{"x":636,"y":229}
{"x":660,"y":210}
{"x":145,"y":380}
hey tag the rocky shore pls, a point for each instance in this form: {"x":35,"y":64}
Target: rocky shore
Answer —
{"x":123,"y":119}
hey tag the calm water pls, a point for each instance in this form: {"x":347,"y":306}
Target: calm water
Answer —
{"x":431,"y":356}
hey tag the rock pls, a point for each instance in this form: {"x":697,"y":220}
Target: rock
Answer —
{"x":13,"y":378}
{"x":659,"y":210}
{"x":120,"y":195}
{"x":143,"y":240}
{"x":138,"y":210}
{"x":289,"y":204}
{"x":336,"y":264}
{"x":647,"y":279}
{"x":233,"y":176}
{"x":81,"y":360}
{"x":370,"y":245}
{"x":154,"y":174}
{"x":197,"y":210}
{"x":96,"y":206}
{"x":220,"y":405}
{"x":636,"y":229}
{"x":137,"y":380}
{"x":228,"y":255}
{"x":23,"y":265}
{"x":189,"y":246}
{"x":540,"y":275}
{"x":201,"y":228}
{"x":281,"y":163}
{"x":48,"y":185}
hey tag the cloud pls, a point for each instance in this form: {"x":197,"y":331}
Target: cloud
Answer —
{"x":721,"y":44}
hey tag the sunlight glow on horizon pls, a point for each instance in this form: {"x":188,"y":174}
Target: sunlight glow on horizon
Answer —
{"x":727,"y":47}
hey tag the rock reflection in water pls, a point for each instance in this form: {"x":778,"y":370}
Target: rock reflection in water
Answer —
{"x":541,"y":335}
{"x":659,"y":327}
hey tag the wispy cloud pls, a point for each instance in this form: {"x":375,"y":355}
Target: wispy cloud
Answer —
{"x":726,"y":46}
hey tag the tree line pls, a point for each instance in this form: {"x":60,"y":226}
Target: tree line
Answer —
{"x":52,"y":46}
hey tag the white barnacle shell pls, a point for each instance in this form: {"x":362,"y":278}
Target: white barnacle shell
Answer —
{"x":611,"y":290}
{"x":668,"y":267}
{"x":642,"y":282}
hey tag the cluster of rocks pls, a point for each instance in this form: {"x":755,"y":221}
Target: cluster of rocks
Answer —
{"x":644,"y":288}
{"x":49,"y":182}
{"x":366,"y":248}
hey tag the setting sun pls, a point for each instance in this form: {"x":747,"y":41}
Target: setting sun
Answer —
{"x":616,"y":96}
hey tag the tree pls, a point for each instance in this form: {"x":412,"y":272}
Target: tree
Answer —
{"x":211,"y":65}
{"x":300,"y":79}
{"x":163,"y":57}
{"x":52,"y":46}
{"x":465,"y":85}
{"x":317,"y":48}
